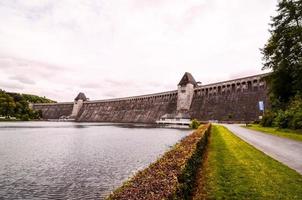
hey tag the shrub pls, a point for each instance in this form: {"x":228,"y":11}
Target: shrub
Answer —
{"x":25,"y":117}
{"x":170,"y":177}
{"x":296,"y":122}
{"x":282,"y":119}
{"x":294,"y":112}
{"x":267,"y":119}
{"x":288,"y":117}
{"x":194,"y":124}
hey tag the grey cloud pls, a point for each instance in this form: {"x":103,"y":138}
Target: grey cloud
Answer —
{"x":15,"y":62}
{"x":110,"y":94}
{"x":115,"y":82}
{"x":10,"y":85}
{"x":90,"y":85}
{"x":244,"y":73}
{"x":19,"y":66}
{"x":23,"y":79}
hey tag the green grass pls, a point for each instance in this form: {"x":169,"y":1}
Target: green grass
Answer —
{"x":287,"y":133}
{"x":235,"y":170}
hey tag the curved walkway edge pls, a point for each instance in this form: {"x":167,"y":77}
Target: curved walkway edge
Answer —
{"x":287,"y":151}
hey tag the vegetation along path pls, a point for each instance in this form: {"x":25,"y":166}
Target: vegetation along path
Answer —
{"x":234,"y":169}
{"x":284,"y":150}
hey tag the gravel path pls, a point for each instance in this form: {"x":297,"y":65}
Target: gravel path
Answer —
{"x":287,"y":151}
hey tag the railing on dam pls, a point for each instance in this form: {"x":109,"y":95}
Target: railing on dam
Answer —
{"x":168,"y":94}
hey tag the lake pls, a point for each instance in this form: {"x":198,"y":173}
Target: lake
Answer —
{"x":66,"y":160}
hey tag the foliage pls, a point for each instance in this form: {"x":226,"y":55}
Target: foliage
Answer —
{"x":7,"y":104}
{"x":282,"y":119}
{"x":187,"y":179}
{"x":194,"y":124}
{"x":236,"y":170}
{"x":36,"y":99}
{"x":290,"y":117}
{"x":161,"y":180}
{"x":30,"y":98}
{"x":283,"y":52}
{"x":267,"y":119}
{"x":17,"y":105}
{"x":294,"y":111}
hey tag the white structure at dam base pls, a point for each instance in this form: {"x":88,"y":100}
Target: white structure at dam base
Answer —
{"x":178,"y":119}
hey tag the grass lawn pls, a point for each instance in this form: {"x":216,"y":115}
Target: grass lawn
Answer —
{"x":234,"y":169}
{"x":287,"y":133}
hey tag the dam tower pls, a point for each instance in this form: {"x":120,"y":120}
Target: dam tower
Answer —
{"x":77,"y":104}
{"x":185,"y":92}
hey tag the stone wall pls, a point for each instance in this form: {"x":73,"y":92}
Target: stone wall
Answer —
{"x":234,"y":100}
{"x":54,"y":110}
{"x":143,"y":109}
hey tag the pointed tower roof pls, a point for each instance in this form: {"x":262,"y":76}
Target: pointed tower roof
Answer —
{"x":81,"y":96}
{"x":187,"y":78}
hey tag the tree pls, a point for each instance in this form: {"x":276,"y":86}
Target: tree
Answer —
{"x":17,"y":105}
{"x":283,"y":52}
{"x":7,"y":105}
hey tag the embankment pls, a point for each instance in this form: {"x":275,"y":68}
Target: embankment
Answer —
{"x":170,"y":177}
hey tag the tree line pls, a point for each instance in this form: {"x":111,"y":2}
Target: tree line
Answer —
{"x":283,"y":54}
{"x":16,"y":106}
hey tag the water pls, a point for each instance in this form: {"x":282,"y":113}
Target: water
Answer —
{"x":65,"y":160}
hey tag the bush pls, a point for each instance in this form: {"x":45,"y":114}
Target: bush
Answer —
{"x":172,"y":176}
{"x":296,"y":122}
{"x":267,"y":119}
{"x":289,"y":117}
{"x":194,"y":124}
{"x":294,"y":113}
{"x":25,"y":117}
{"x":282,"y":119}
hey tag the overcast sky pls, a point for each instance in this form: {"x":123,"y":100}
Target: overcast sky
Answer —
{"x":116,"y":48}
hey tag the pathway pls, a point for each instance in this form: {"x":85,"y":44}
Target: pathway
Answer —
{"x":287,"y":151}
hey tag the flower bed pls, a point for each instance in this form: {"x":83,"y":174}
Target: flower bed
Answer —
{"x":170,"y":177}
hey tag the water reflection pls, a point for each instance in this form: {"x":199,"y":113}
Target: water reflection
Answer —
{"x":62,"y":160}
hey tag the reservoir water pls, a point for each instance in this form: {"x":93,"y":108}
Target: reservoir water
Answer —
{"x":65,"y":160}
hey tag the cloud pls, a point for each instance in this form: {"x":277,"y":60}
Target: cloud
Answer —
{"x":10,"y":85}
{"x":59,"y":48}
{"x":23,"y":79}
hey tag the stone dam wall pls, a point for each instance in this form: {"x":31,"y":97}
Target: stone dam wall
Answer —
{"x":144,"y":109}
{"x":234,"y":100}
{"x":54,"y":110}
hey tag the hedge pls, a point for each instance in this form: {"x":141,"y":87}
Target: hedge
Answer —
{"x":170,"y":177}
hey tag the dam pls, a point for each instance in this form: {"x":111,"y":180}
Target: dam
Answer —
{"x":234,"y":100}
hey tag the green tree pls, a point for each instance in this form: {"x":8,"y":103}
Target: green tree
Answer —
{"x":17,"y":105}
{"x":7,"y":105}
{"x":283,"y":52}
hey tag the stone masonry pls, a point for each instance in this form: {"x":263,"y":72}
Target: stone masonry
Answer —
{"x":233,"y":100}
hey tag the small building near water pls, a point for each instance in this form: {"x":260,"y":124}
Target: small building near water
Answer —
{"x":179,"y":119}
